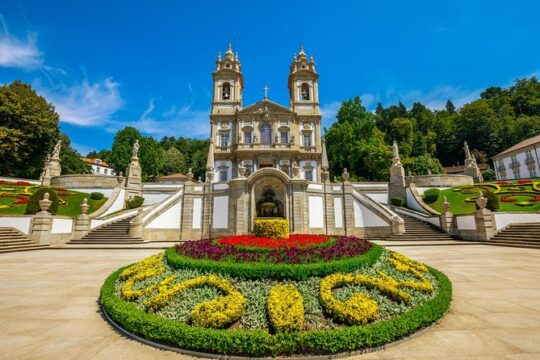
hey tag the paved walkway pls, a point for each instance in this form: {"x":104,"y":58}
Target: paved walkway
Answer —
{"x":48,"y":306}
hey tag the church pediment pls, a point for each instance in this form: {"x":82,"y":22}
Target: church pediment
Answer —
{"x":265,"y":106}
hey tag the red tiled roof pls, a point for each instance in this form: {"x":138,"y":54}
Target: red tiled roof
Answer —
{"x":531,"y":141}
{"x":93,"y":162}
{"x":177,"y":176}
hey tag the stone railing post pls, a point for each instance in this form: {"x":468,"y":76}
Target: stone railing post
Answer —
{"x":484,"y":220}
{"x":136,"y":225}
{"x":82,"y":222}
{"x":398,"y":225}
{"x":446,"y":217}
{"x":42,"y":223}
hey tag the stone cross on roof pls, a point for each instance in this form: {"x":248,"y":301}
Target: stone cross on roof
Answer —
{"x":266,"y":88}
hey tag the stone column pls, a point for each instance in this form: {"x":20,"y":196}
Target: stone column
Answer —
{"x":446,"y":217}
{"x":42,"y":223}
{"x":82,"y":222}
{"x":485,"y":222}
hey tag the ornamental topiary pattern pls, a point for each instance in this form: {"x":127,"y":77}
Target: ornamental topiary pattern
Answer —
{"x":271,"y":228}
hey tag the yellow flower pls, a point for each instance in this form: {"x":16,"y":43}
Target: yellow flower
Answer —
{"x":285,"y":308}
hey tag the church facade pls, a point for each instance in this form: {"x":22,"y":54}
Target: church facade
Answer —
{"x":266,"y":134}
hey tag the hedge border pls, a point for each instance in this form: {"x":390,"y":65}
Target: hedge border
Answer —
{"x":258,"y":343}
{"x":258,"y":270}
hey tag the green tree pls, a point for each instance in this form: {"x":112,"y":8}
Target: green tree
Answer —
{"x":28,"y":130}
{"x":402,"y":130}
{"x":70,"y":159}
{"x":151,"y":158}
{"x":421,"y":165}
{"x":102,"y":154}
{"x":450,"y":107}
{"x":173,"y":161}
{"x":354,"y":142}
{"x":122,"y":148}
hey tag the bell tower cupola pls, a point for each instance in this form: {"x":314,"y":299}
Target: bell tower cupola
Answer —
{"x":304,"y":84}
{"x":228,"y":83}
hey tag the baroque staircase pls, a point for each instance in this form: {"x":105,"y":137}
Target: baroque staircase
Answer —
{"x":116,"y":232}
{"x":14,"y":240}
{"x":525,"y":235}
{"x":417,"y":230}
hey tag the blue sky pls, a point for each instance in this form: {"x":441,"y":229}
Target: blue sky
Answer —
{"x":108,"y":64}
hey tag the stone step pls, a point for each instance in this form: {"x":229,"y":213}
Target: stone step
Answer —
{"x":517,"y":244}
{"x":16,"y":248}
{"x":512,"y":239}
{"x":12,"y":237}
{"x":16,"y":242}
{"x":520,"y":235}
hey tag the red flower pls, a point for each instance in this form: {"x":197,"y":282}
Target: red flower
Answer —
{"x":523,"y":182}
{"x":293,"y":241}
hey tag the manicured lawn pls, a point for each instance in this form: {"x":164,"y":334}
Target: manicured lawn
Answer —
{"x":513,"y":197}
{"x":14,"y":195}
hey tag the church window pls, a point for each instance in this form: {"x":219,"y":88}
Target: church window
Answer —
{"x":307,"y":140}
{"x":309,"y":174}
{"x":247,"y":137}
{"x":284,"y":137}
{"x":266,"y":134}
{"x":105,"y":171}
{"x":97,"y":169}
{"x":226,"y":91}
{"x":223,"y":174}
{"x":224,"y":140}
{"x":305,"y":91}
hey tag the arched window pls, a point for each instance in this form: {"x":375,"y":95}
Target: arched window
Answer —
{"x":305,"y":91}
{"x":266,"y":134}
{"x":226,"y":91}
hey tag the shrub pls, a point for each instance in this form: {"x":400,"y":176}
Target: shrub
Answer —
{"x":96,"y":196}
{"x":493,"y":201}
{"x":489,"y":175}
{"x":271,"y":228}
{"x":397,"y":201}
{"x":33,"y":203}
{"x":431,"y":195}
{"x":135,"y":202}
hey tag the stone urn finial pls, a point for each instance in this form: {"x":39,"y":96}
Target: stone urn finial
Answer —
{"x":345,"y":175}
{"x":445,"y":205}
{"x":189,"y":174}
{"x":84,"y":207}
{"x":481,"y":201}
{"x":409,"y":174}
{"x":335,"y":178}
{"x":242,"y":170}
{"x":45,"y":203}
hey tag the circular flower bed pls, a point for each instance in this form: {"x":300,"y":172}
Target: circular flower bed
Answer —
{"x":244,"y":297}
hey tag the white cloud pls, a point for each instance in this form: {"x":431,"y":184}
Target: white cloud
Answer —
{"x":82,"y":149}
{"x":329,"y":112}
{"x":85,"y":103}
{"x":21,"y":53}
{"x":184,"y":121}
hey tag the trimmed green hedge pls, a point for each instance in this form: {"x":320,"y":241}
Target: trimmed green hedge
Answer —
{"x":257,"y":270}
{"x":397,"y":201}
{"x":431,"y":195}
{"x":258,"y":343}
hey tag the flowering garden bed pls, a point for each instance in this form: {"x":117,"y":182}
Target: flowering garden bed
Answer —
{"x":514,"y":196}
{"x":14,"y":197}
{"x":245,"y":297}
